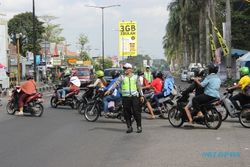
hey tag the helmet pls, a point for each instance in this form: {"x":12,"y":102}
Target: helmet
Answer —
{"x":212,"y":68}
{"x":28,"y":77}
{"x":99,"y":73}
{"x":244,"y":71}
{"x":202,"y":73}
{"x":159,"y":74}
{"x":196,"y":72}
{"x":67,"y":72}
{"x":140,"y":73}
{"x":115,"y":74}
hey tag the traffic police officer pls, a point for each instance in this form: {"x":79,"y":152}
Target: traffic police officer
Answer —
{"x":131,"y":96}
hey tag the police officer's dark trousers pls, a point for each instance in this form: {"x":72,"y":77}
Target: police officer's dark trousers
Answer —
{"x":132,"y":107}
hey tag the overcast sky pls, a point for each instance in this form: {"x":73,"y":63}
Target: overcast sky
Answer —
{"x":75,"y":18}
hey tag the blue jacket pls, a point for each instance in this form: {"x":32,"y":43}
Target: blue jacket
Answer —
{"x":116,"y":91}
{"x":168,"y":85}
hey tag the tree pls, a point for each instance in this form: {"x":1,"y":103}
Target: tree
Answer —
{"x":51,"y":31}
{"x":23,"y":23}
{"x":107,"y":64}
{"x":83,"y":40}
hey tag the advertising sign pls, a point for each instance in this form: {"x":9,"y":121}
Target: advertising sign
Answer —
{"x":127,"y":38}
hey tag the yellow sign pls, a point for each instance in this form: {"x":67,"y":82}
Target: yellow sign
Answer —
{"x":87,"y":63}
{"x":127,"y":38}
{"x":212,"y":45}
{"x":221,"y":40}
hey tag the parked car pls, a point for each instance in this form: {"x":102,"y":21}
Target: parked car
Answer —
{"x":184,"y":75}
{"x":85,"y":74}
{"x":108,"y":72}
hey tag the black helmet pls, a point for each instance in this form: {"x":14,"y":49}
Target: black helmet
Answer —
{"x":140,"y":73}
{"x":115,"y":74}
{"x":202,"y":73}
{"x":28,"y":77}
{"x":212,"y":68}
{"x":159,"y":74}
{"x":196,"y":72}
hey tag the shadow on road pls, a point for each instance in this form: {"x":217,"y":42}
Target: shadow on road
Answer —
{"x":107,"y":129}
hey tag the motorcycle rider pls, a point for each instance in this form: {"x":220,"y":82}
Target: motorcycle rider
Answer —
{"x":157,"y":85}
{"x":193,"y":87}
{"x":211,"y":85}
{"x":100,"y":81}
{"x":27,"y":88}
{"x":242,"y":97}
{"x":131,"y":95}
{"x":115,"y":96}
{"x":73,"y":87}
{"x":145,"y":84}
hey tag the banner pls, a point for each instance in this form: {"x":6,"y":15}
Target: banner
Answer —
{"x":127,"y":38}
{"x":212,"y":45}
{"x":221,"y":40}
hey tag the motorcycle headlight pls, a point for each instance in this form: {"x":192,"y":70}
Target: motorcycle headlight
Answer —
{"x":18,"y":90}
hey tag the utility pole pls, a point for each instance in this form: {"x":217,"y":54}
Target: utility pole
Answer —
{"x":228,"y":38}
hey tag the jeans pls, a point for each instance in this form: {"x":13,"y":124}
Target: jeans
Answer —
{"x":62,"y":92}
{"x":156,"y":98}
{"x":107,"y":99}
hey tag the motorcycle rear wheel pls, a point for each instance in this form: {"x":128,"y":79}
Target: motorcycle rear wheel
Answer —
{"x":10,"y":108}
{"x":38,"y":110}
{"x":53,"y":102}
{"x":213,"y":119}
{"x":91,"y":113}
{"x":245,"y":118}
{"x":175,"y":117}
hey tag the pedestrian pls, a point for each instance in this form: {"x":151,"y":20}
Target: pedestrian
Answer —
{"x":132,"y":95}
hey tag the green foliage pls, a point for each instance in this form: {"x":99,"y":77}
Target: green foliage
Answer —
{"x":51,"y":31}
{"x":84,"y":56}
{"x":23,"y":23}
{"x":107,"y":64}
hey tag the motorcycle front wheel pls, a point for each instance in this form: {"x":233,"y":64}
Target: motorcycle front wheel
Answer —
{"x":245,"y":118}
{"x":175,"y":117}
{"x":37,"y":110}
{"x":91,"y":113}
{"x":213,"y":119}
{"x":10,"y":108}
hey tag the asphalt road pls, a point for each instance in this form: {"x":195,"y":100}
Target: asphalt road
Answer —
{"x":62,"y":138}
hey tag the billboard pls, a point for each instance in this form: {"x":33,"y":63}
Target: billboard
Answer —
{"x":127,"y":38}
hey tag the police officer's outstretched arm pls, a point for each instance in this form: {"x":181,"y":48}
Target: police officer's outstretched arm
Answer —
{"x":116,"y":83}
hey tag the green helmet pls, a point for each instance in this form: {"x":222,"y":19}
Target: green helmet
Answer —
{"x":244,"y":71}
{"x":99,"y":73}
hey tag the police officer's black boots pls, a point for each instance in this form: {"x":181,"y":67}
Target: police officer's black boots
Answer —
{"x":139,"y":129}
{"x":129,"y":130}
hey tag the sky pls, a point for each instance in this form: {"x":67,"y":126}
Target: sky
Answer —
{"x":75,"y":19}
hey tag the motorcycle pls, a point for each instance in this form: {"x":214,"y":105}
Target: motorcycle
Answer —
{"x":70,"y":99}
{"x":33,"y":104}
{"x":228,"y":109}
{"x":86,"y":96}
{"x":165,"y":103}
{"x":93,"y":109}
{"x":177,"y":115}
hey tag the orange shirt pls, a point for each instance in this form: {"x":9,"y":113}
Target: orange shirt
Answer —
{"x":29,"y":87}
{"x":73,"y":87}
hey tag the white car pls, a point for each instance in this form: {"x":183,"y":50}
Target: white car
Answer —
{"x":184,"y":75}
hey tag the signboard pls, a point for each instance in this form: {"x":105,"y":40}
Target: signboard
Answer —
{"x":87,"y":63}
{"x":56,"y":61}
{"x":72,"y":61}
{"x":128,"y":38}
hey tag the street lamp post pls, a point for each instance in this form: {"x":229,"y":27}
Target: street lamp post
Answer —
{"x":34,"y":40}
{"x":102,"y":8}
{"x":18,"y":58}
